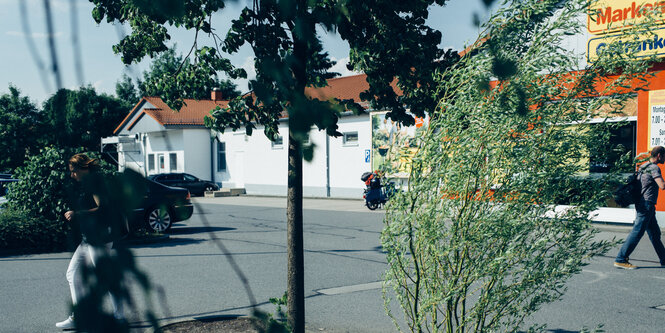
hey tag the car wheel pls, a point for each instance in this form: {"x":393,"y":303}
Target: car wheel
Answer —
{"x":158,"y":219}
{"x":210,"y":187}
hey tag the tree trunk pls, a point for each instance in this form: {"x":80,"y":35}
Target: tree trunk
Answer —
{"x":295,"y":253}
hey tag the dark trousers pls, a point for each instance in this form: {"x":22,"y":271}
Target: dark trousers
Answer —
{"x":645,"y":220}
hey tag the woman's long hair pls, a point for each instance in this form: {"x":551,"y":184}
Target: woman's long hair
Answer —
{"x":84,"y":162}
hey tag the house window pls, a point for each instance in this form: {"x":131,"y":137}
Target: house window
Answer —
{"x":350,"y":139}
{"x":151,"y":162}
{"x":221,"y":156}
{"x":278,"y":143}
{"x":162,"y":167}
{"x":173,"y":161}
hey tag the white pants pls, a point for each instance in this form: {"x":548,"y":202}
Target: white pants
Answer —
{"x":87,"y":254}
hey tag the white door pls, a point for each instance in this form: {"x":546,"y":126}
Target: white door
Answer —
{"x":238,"y":173}
{"x":161,"y":163}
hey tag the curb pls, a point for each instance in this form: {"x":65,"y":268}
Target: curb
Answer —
{"x":284,"y":197}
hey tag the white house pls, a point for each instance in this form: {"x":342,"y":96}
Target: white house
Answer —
{"x":155,"y":139}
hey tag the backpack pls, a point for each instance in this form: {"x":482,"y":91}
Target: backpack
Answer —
{"x":630,"y":192}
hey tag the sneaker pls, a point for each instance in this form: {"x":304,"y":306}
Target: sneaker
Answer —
{"x":67,"y":324}
{"x":624,"y":265}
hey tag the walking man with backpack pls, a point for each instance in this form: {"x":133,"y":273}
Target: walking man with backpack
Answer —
{"x":645,"y":219}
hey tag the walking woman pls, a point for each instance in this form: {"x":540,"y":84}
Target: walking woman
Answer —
{"x":91,"y":214}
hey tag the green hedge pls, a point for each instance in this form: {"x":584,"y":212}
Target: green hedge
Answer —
{"x":34,"y":217}
{"x":21,"y":233}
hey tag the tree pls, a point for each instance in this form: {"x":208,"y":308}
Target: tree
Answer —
{"x":474,"y":244}
{"x":389,"y":40}
{"x":80,"y":118}
{"x":192,"y":83}
{"x":126,"y":91}
{"x":19,"y":129}
{"x":162,"y":69}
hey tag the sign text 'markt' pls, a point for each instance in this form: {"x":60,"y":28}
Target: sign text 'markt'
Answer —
{"x":620,"y":14}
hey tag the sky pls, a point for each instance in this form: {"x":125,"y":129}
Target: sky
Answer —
{"x":101,"y":68}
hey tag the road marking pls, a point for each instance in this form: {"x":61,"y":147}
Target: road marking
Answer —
{"x":350,"y":289}
{"x":600,"y":275}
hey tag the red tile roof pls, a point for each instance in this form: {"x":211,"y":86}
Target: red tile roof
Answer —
{"x":347,"y":87}
{"x":191,"y":113}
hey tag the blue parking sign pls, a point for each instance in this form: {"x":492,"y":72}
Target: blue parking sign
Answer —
{"x":367,"y":155}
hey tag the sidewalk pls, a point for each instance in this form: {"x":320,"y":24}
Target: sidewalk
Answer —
{"x":345,"y":205}
{"x":603,"y":215}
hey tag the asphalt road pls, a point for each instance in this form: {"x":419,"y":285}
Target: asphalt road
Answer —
{"x":343,"y":264}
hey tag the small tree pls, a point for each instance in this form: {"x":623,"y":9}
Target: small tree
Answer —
{"x":474,"y":244}
{"x":389,"y":40}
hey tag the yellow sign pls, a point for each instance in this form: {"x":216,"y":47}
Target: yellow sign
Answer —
{"x":648,"y":45}
{"x":656,"y":127}
{"x":611,"y":15}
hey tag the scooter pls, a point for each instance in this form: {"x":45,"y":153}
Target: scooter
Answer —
{"x":376,"y":194}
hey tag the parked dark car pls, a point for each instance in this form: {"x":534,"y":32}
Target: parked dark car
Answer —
{"x":162,"y":206}
{"x":4,"y":180}
{"x":195,"y":185}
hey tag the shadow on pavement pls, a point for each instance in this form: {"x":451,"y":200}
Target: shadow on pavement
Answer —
{"x":197,"y":230}
{"x":380,"y":249}
{"x":167,"y":242}
{"x":557,"y":330}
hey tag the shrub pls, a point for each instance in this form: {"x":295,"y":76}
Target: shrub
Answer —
{"x":30,"y":234}
{"x":43,"y":186}
{"x":37,"y":202}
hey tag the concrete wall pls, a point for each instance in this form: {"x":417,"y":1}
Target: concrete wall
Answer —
{"x":196,"y":152}
{"x":254,"y":163}
{"x":347,"y":161}
{"x":314,"y":171}
{"x":261,"y":167}
{"x":162,"y":144}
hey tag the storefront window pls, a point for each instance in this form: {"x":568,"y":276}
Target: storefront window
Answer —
{"x":615,"y":147}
